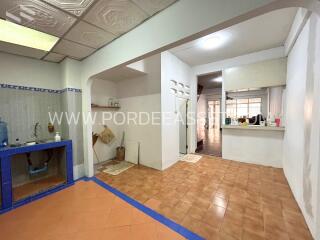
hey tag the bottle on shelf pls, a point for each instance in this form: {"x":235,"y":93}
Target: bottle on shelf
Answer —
{"x":57,"y":137}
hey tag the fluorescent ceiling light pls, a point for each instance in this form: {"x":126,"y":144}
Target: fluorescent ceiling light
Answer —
{"x":20,"y":35}
{"x":213,"y":41}
{"x":218,"y":79}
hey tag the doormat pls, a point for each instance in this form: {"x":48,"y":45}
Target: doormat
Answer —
{"x":190,"y":158}
{"x":116,"y":169}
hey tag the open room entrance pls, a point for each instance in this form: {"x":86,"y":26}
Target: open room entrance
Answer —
{"x":160,"y":119}
{"x":209,"y":114}
{"x":142,"y":115}
{"x":123,"y":100}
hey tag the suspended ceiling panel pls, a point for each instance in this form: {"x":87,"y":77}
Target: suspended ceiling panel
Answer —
{"x":21,"y":50}
{"x":75,"y":7}
{"x":116,"y":16}
{"x":153,"y":6}
{"x":72,"y":49}
{"x":82,"y":25}
{"x":54,"y":57}
{"x":37,"y":15}
{"x":89,"y":35}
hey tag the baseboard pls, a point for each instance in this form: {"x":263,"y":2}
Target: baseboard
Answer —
{"x":78,"y":171}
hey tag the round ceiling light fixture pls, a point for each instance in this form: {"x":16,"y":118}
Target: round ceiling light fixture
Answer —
{"x":213,"y":41}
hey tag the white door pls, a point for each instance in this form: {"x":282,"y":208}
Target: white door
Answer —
{"x":183,"y":142}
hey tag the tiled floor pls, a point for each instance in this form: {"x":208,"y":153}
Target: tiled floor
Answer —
{"x":218,"y":199}
{"x":35,"y":187}
{"x":82,"y":212}
{"x":212,"y":141}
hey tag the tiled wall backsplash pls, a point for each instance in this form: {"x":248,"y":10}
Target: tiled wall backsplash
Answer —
{"x":23,"y":107}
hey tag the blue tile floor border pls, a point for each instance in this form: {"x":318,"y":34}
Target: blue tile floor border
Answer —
{"x":160,"y":218}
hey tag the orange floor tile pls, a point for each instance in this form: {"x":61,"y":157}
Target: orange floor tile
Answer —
{"x":35,"y":187}
{"x":82,"y":212}
{"x":218,"y":199}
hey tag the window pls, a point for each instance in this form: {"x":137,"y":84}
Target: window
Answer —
{"x":247,"y":107}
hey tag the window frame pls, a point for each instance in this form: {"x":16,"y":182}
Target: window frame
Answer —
{"x":235,"y":102}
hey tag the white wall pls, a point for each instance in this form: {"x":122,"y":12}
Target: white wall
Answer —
{"x":276,"y":101}
{"x":269,"y":54}
{"x":147,"y":135}
{"x":260,"y":74}
{"x":142,"y":94}
{"x":172,"y":68}
{"x":22,"y":71}
{"x":316,"y":136}
{"x":71,"y":73}
{"x":301,"y":144}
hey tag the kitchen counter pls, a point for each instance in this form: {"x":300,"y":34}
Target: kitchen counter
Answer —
{"x":253,"y":144}
{"x":7,"y":189}
{"x":254,"y":127}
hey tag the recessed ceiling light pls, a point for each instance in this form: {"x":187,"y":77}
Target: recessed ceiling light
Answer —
{"x":213,"y":41}
{"x":20,"y":35}
{"x":218,"y":79}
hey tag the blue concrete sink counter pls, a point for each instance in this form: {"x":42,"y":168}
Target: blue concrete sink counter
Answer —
{"x":6,"y":155}
{"x":39,"y":146}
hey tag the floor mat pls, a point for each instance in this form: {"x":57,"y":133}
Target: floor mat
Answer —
{"x":117,"y":168}
{"x":191,"y":158}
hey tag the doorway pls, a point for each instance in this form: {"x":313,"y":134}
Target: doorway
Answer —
{"x":209,"y":114}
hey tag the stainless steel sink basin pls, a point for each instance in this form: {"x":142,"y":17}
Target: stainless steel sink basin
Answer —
{"x":46,"y":141}
{"x":31,"y":143}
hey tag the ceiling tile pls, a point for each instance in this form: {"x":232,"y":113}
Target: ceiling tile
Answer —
{"x":37,"y":15}
{"x":21,"y":50}
{"x":72,"y":49}
{"x":116,"y":16}
{"x":89,"y":35}
{"x":153,"y":6}
{"x":54,"y":57}
{"x":75,"y":7}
